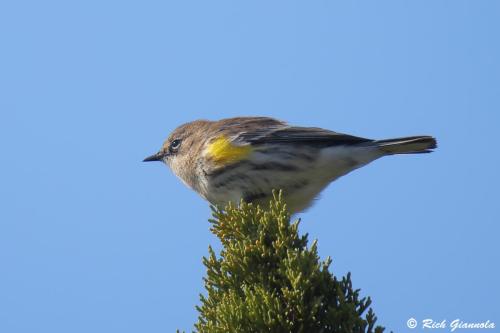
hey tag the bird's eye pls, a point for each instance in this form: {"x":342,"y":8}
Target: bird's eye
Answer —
{"x":174,"y":145}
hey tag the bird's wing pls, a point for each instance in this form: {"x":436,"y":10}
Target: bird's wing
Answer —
{"x":270,"y":131}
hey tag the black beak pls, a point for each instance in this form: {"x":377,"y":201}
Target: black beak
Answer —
{"x":155,"y":157}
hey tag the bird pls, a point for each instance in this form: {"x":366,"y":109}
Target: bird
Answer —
{"x":247,"y":158}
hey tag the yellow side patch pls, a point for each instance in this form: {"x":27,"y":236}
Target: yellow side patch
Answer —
{"x":222,"y":151}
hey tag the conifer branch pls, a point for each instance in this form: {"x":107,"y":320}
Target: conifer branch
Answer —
{"x":266,"y":279}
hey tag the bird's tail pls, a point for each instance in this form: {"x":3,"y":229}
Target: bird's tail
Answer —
{"x":407,"y":145}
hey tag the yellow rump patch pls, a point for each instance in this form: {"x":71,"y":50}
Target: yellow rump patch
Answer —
{"x":221,"y":150}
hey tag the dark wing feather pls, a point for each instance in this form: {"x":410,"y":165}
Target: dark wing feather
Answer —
{"x":309,"y":135}
{"x":265,"y":131}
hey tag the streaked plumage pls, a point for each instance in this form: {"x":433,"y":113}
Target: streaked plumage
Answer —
{"x":248,"y":157}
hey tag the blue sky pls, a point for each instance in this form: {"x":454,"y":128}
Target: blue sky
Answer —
{"x":93,"y":240}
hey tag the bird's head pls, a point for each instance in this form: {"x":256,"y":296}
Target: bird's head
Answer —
{"x":181,"y":149}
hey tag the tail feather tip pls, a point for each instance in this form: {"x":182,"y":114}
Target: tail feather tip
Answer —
{"x":408,"y":145}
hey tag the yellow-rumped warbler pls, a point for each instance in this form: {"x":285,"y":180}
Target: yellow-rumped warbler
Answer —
{"x":247,"y":157}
